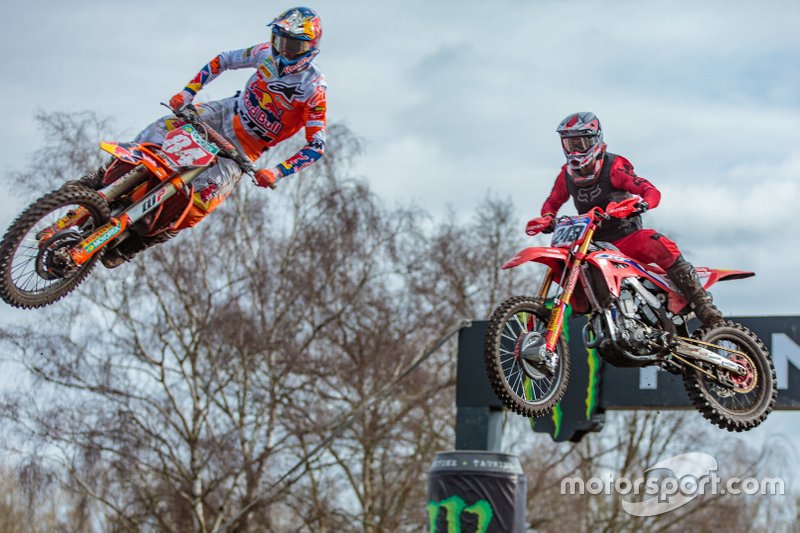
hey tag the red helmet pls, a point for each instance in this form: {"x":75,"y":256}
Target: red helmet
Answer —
{"x":582,"y":142}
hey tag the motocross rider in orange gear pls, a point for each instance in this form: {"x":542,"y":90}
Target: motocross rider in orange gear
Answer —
{"x":285,"y":94}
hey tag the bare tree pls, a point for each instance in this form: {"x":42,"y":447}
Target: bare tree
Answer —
{"x":31,"y":501}
{"x":69,"y":149}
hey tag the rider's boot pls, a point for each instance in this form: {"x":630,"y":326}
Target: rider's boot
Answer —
{"x":685,"y":278}
{"x":131,"y":246}
{"x":93,"y":179}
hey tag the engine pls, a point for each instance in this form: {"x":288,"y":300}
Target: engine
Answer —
{"x":636,"y":322}
{"x":630,"y":331}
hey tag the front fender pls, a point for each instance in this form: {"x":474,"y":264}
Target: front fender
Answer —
{"x":554,"y":258}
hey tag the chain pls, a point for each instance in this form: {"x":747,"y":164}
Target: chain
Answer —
{"x":695,"y":341}
{"x":684,"y":361}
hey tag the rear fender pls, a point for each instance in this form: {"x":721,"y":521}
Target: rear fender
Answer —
{"x":709,"y":276}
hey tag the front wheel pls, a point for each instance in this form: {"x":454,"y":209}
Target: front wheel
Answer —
{"x":744,"y":401}
{"x":526,"y":389}
{"x":35,"y":268}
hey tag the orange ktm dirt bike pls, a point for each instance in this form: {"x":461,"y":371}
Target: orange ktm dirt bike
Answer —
{"x":143,"y":194}
{"x":636,"y":318}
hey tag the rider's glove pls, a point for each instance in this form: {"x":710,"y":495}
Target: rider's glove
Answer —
{"x":180,"y":100}
{"x":641,"y":207}
{"x":267,"y":178}
{"x":543,"y":224}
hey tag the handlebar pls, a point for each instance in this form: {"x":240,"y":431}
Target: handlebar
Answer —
{"x":620,"y":209}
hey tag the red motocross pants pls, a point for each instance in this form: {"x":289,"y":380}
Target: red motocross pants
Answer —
{"x":649,"y":246}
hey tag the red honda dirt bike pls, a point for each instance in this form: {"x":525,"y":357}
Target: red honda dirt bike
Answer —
{"x":146,"y":191}
{"x":636,"y":318}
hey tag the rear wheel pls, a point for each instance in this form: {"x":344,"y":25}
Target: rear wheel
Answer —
{"x":35,"y":267}
{"x":743,"y":401}
{"x":521,"y":384}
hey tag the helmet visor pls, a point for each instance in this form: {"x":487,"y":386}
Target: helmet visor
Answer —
{"x":578,"y":145}
{"x":289,"y":47}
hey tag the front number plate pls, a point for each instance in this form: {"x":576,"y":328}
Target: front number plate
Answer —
{"x":569,"y":231}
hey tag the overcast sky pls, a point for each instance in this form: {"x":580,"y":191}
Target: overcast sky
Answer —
{"x":459,"y":99}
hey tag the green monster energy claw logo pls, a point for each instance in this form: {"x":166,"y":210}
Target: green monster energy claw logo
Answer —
{"x":591,"y":388}
{"x":454,"y":506}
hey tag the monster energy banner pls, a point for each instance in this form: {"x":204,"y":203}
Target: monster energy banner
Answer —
{"x":476,"y":492}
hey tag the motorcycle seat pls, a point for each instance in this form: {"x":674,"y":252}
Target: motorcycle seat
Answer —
{"x":603,"y":245}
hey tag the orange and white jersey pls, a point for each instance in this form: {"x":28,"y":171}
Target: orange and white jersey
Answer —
{"x":272,"y":108}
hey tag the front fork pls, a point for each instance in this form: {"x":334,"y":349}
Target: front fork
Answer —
{"x":556,"y":324}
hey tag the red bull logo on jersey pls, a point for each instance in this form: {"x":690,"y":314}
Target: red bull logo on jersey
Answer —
{"x":261,"y":108}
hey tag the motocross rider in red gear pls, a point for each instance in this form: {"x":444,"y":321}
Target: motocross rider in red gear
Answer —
{"x":285,"y":94}
{"x":594,"y":177}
